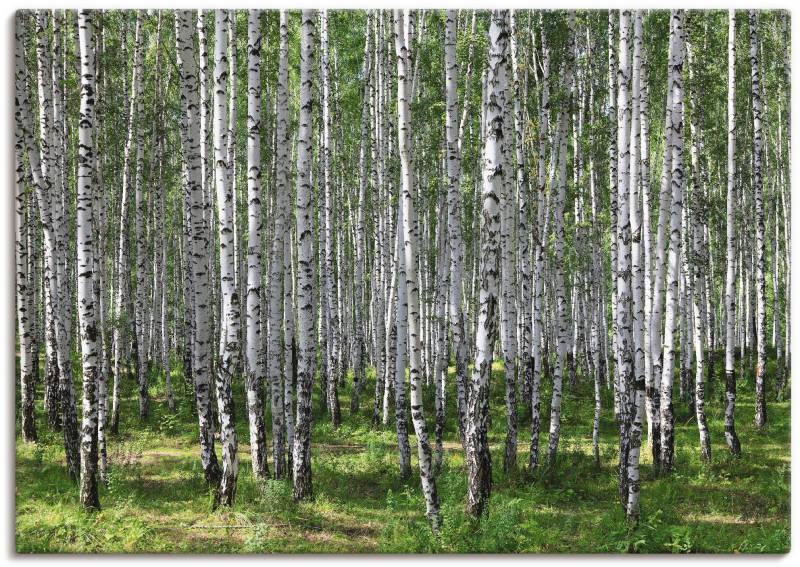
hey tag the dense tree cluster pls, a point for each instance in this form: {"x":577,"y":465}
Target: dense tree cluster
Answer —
{"x":300,"y":202}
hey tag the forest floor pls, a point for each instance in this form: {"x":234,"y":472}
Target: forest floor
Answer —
{"x":157,"y":502}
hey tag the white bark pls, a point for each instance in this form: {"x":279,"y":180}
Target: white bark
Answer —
{"x":26,"y":313}
{"x":199,"y":241}
{"x":454,"y":206}
{"x":87,"y":312}
{"x":561,"y":323}
{"x":306,"y":351}
{"x":330,"y":291}
{"x":758,"y":198}
{"x":412,"y":281}
{"x":540,"y":236}
{"x":254,"y":362}
{"x":673,"y":258}
{"x":637,"y":390}
{"x":51,"y":207}
{"x":229,"y":327}
{"x":479,"y":480}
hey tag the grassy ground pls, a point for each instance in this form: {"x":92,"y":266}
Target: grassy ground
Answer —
{"x":156,"y":500}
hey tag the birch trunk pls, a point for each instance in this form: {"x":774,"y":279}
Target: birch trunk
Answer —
{"x":454,"y":206}
{"x":229,"y":331}
{"x":199,"y":241}
{"x":140,"y":212}
{"x":123,"y":257}
{"x":561,"y":323}
{"x":653,"y":376}
{"x":255,"y":369}
{"x":90,"y":345}
{"x":479,"y":479}
{"x":673,"y":259}
{"x":540,"y":235}
{"x":624,"y":297}
{"x":26,"y":313}
{"x":758,"y":190}
{"x":637,"y":389}
{"x":698,"y":261}
{"x":305,"y":265}
{"x":523,"y":196}
{"x":412,"y":281}
{"x":358,"y":299}
{"x":331,"y":297}
{"x":277,"y":260}
{"x":51,"y":212}
{"x":401,"y":354}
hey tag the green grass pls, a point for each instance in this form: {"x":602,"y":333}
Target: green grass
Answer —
{"x":156,"y":500}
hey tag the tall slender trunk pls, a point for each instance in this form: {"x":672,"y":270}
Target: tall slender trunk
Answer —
{"x":673,"y":260}
{"x":540,"y":239}
{"x":454,"y":206}
{"x":331,"y":297}
{"x":47,"y":218}
{"x":508,"y":265}
{"x":277,"y":260}
{"x":653,"y":376}
{"x":622,"y":272}
{"x":199,"y":240}
{"x":26,"y":313}
{"x":140,"y":212}
{"x":758,"y":197}
{"x":360,"y":259}
{"x":229,"y":331}
{"x":254,"y":381}
{"x":305,"y":264}
{"x":697,"y":261}
{"x":90,"y":345}
{"x":401,"y":354}
{"x":52,"y":213}
{"x":637,"y":389}
{"x":411,"y":287}
{"x":123,"y":257}
{"x":289,"y":349}
{"x":613,"y":164}
{"x":479,"y":479}
{"x":522,"y":196}
{"x":561,"y":323}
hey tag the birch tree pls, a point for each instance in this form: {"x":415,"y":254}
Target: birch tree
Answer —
{"x":50,"y":202}
{"x":23,"y":215}
{"x":140,"y":213}
{"x":624,"y":293}
{"x":637,"y":389}
{"x":412,"y":282}
{"x":360,"y":259}
{"x":454,"y":206}
{"x":730,"y":272}
{"x":123,"y":290}
{"x":331,"y":297}
{"x":301,"y":458}
{"x":199,"y":241}
{"x":229,"y":332}
{"x":277,"y":260}
{"x":540,"y":235}
{"x":758,"y":198}
{"x":479,"y":479}
{"x":559,"y":199}
{"x":673,"y":259}
{"x":86,"y":264}
{"x":255,"y":370}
